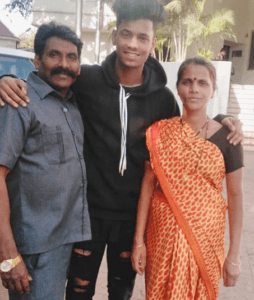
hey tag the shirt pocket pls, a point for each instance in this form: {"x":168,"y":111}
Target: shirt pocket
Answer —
{"x":53,"y":144}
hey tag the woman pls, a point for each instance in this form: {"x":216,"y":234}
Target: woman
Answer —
{"x":181,"y":210}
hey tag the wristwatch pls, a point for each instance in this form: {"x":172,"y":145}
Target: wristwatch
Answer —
{"x":8,"y":264}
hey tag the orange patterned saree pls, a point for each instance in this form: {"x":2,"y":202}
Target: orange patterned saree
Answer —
{"x":186,"y":223}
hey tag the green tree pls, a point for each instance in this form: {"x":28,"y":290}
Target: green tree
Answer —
{"x":186,"y":24}
{"x":217,"y":24}
{"x":27,"y":42}
{"x":23,"y":6}
{"x":175,"y":32}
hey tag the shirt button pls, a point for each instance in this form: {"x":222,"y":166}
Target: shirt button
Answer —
{"x":65,"y":109}
{"x":73,"y":133}
{"x":80,"y":156}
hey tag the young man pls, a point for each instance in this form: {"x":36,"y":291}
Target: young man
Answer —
{"x":43,"y":205}
{"x":118,"y":100}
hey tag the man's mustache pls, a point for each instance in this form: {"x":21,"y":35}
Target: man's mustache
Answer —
{"x":60,"y":70}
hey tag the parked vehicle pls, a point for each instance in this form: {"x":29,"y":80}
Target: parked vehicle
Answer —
{"x":17,"y":62}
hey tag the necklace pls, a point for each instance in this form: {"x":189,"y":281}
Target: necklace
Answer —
{"x":185,"y":176}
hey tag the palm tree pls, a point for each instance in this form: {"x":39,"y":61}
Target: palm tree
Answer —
{"x":217,"y":24}
{"x":176,"y":28}
{"x":186,"y":24}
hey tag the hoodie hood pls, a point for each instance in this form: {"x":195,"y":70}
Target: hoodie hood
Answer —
{"x":154,"y":76}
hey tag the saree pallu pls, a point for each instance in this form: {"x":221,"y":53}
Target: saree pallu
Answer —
{"x":186,"y":223}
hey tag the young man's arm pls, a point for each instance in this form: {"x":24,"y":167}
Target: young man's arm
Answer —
{"x":14,"y":92}
{"x":18,"y":278}
{"x":235,"y":136}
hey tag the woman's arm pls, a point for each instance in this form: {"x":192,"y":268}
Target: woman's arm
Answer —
{"x":139,"y":249}
{"x":231,"y":269}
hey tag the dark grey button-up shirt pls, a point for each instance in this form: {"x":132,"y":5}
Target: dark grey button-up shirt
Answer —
{"x":43,"y":147}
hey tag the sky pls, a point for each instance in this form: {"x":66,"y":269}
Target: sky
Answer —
{"x":14,"y":21}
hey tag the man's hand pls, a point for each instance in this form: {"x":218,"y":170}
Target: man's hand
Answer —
{"x":17,"y":279}
{"x":13,"y":91}
{"x":236,"y":133}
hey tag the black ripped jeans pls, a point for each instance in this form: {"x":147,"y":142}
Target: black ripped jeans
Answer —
{"x":87,"y":257}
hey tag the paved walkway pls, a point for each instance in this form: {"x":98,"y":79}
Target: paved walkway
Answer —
{"x":245,"y":288}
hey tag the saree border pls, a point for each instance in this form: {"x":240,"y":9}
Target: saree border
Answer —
{"x":154,"y":133}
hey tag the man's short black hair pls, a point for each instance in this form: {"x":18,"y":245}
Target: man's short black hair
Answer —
{"x":52,"y":29}
{"x":127,"y":10}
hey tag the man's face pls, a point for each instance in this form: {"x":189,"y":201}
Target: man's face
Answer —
{"x":134,"y":42}
{"x":223,"y":53}
{"x":59,"y":65}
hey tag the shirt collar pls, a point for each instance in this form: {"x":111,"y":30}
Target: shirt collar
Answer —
{"x":43,"y":89}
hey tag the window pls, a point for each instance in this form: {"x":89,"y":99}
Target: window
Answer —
{"x":237,"y":53}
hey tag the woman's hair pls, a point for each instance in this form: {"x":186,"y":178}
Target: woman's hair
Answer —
{"x":52,"y":29}
{"x":132,"y":10}
{"x":197,"y":60}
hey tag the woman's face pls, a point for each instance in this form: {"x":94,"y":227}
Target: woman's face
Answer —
{"x":195,"y":88}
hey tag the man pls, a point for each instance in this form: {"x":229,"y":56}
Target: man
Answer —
{"x":221,"y":55}
{"x":118,"y":101}
{"x":43,"y":206}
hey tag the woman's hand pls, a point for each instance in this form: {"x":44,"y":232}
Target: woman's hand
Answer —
{"x":231,"y":273}
{"x":138,"y":258}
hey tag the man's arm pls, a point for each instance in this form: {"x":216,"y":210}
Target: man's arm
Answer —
{"x":14,"y":92}
{"x":18,"y":278}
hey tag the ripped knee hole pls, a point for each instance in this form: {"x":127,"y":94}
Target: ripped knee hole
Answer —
{"x":83,"y":252}
{"x":126,"y":254}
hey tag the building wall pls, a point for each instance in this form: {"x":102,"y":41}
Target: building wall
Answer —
{"x":64,"y":12}
{"x":244,"y":25}
{"x":8,"y":43}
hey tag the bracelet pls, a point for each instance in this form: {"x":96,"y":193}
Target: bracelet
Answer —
{"x":139,"y":246}
{"x":234,"y":264}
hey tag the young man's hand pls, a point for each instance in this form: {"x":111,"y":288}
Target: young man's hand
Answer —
{"x":235,"y":136}
{"x":17,"y":279}
{"x":13,"y":91}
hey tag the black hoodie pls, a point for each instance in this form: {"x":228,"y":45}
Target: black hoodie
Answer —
{"x":110,"y":195}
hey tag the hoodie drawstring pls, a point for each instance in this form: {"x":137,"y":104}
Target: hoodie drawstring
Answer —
{"x":124,"y":121}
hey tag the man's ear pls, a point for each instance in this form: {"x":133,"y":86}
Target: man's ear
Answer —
{"x":153,"y":45}
{"x":37,"y":61}
{"x":114,"y":34}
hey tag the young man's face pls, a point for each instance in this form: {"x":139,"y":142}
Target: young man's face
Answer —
{"x":59,"y":65}
{"x":134,"y":42}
